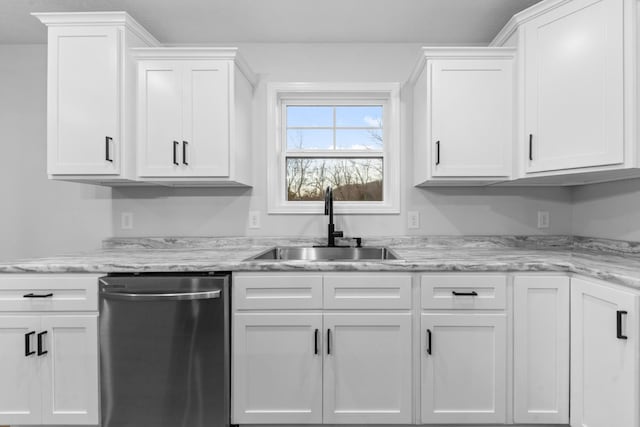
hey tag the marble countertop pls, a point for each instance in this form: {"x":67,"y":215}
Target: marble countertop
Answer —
{"x":613,"y":261}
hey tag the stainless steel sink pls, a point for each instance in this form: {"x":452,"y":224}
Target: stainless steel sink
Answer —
{"x":293,"y":253}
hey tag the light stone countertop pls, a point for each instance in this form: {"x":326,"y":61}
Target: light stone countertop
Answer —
{"x":610,"y":260}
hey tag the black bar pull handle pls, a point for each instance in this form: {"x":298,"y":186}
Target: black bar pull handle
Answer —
{"x":184,"y":152}
{"x":429,"y":342}
{"x":32,"y":295}
{"x":40,"y":344}
{"x":315,"y":342}
{"x":465,"y":294}
{"x":619,"y":335}
{"x":328,"y":341}
{"x":530,"y":146}
{"x":437,"y":153}
{"x":107,"y":148}
{"x":175,"y":153}
{"x":27,"y":344}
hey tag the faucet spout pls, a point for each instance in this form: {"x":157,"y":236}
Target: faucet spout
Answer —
{"x":328,"y":210}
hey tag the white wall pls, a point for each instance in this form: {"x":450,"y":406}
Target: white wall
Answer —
{"x":164,"y":211}
{"x":608,"y":210}
{"x":38,"y":217}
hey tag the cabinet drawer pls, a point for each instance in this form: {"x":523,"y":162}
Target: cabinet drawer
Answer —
{"x":266,"y":292}
{"x":27,"y":292}
{"x":464,"y":292}
{"x":367,"y":291}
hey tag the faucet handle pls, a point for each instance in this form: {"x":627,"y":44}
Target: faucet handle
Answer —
{"x":358,"y":241}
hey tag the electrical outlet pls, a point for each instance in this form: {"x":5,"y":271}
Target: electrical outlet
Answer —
{"x":126,"y":220}
{"x":254,"y":219}
{"x":543,"y":219}
{"x":413,"y":219}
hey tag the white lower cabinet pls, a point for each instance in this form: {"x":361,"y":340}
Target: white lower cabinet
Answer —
{"x":464,"y":368}
{"x":48,"y":356}
{"x":367,"y":368}
{"x":605,"y":358}
{"x":277,"y":367}
{"x":315,"y":365}
{"x":541,"y":349}
{"x":49,"y":370}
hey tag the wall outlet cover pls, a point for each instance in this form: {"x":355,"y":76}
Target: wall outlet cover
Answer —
{"x":413,"y":219}
{"x":254,"y":219}
{"x":543,"y":219}
{"x":126,"y":220}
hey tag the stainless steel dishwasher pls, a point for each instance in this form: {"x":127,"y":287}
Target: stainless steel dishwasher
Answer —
{"x":164,"y":350}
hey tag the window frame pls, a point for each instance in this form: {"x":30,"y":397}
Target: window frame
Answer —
{"x":279,"y":95}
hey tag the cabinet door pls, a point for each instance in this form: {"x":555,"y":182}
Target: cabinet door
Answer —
{"x":367,"y":370}
{"x":160,"y":119}
{"x":277,"y":368}
{"x":83,"y":125}
{"x":206,"y":131}
{"x":20,"y":399}
{"x":604,"y":368}
{"x":70,"y":370}
{"x":541,"y":350}
{"x":574,"y":86}
{"x":471,"y":117}
{"x":463,"y":368}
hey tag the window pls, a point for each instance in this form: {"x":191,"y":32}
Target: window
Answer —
{"x":345,"y":136}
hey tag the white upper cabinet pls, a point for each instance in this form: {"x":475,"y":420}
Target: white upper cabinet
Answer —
{"x":194,"y":108}
{"x":463,"y":115}
{"x":577,"y":78}
{"x":90,"y":105}
{"x":574,"y":87}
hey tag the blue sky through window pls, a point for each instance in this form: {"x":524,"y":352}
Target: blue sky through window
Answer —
{"x":368,"y":118}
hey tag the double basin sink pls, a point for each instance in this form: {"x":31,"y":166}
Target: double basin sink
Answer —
{"x":324,"y":253}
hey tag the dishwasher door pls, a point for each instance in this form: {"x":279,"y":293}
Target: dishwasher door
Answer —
{"x":164,"y":351}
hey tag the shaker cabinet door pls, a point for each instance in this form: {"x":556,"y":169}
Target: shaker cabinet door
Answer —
{"x":463,"y":368}
{"x":160,"y":119}
{"x":206,"y":130}
{"x":69,"y":369}
{"x":83,"y":126}
{"x":604,"y":356}
{"x":277,"y":369}
{"x":367,"y":370}
{"x":471,"y":117}
{"x":574,"y":88}
{"x":20,"y":395}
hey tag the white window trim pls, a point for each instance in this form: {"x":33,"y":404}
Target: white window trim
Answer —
{"x":388,"y":93}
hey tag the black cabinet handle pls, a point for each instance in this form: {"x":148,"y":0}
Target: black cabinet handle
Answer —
{"x":175,"y":153}
{"x":437,"y":153}
{"x":107,"y":144}
{"x":530,"y":146}
{"x":27,"y":344}
{"x":465,"y":294}
{"x":429,"y":341}
{"x":619,"y":335}
{"x":328,"y":341}
{"x":40,"y":346}
{"x":32,"y":295}
{"x":184,"y":152}
{"x":315,"y":342}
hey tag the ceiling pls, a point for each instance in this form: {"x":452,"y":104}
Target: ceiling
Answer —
{"x":430,"y":22}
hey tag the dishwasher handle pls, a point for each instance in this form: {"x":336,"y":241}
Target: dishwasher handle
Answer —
{"x":174,"y":296}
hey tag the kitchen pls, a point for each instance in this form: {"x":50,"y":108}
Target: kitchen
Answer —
{"x":47,"y":218}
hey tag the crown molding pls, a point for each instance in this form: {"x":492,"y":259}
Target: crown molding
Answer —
{"x":53,"y":19}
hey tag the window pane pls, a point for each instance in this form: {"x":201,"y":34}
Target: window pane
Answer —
{"x":354,"y":179}
{"x":309,"y":116}
{"x":359,"y":139}
{"x":359,"y":116}
{"x":309,"y":139}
